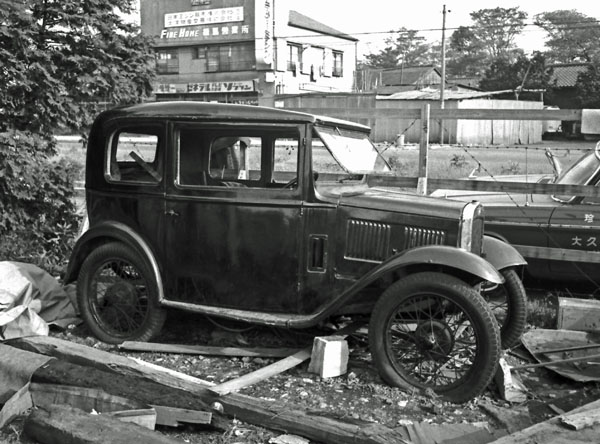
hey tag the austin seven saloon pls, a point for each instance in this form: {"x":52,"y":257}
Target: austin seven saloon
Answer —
{"x":265,"y":216}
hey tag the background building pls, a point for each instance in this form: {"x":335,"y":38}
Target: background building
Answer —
{"x":244,"y":51}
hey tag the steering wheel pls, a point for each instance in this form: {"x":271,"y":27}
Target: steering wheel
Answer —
{"x":597,"y":150}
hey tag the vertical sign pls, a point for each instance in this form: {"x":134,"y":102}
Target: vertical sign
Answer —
{"x":264,"y":31}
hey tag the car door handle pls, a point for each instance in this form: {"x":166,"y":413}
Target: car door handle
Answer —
{"x":172,"y":213}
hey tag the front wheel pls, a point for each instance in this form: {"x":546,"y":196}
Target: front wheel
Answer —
{"x":508,"y":303}
{"x":118,"y":295}
{"x":432,"y":331}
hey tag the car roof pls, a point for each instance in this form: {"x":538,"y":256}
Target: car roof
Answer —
{"x":208,"y":111}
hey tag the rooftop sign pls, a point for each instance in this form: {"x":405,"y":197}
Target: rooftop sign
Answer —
{"x":204,"y":17}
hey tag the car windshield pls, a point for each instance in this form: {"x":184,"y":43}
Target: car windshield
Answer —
{"x":580,"y":173}
{"x":351,"y":150}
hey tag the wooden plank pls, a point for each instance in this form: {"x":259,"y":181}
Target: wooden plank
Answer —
{"x":64,"y":424}
{"x":174,"y":417}
{"x":273,"y":415}
{"x":207,"y":350}
{"x":578,"y":421}
{"x":261,"y":374}
{"x":448,"y":114}
{"x":276,"y":368}
{"x":578,"y":314}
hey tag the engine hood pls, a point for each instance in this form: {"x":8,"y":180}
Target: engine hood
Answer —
{"x":402,"y":202}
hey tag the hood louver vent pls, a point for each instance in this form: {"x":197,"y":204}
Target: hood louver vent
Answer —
{"x":416,"y":237}
{"x":367,"y":241}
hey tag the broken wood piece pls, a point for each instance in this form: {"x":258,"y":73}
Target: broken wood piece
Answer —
{"x":578,"y":314}
{"x":64,"y":424}
{"x":556,"y":361}
{"x":578,"y":421}
{"x":174,"y":417}
{"x":261,"y":374}
{"x":509,"y":385}
{"x":276,"y":416}
{"x":329,"y":357}
{"x":16,"y":406}
{"x":207,"y":350}
{"x":91,"y":399}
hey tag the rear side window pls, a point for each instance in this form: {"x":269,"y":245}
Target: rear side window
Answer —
{"x":133,"y":156}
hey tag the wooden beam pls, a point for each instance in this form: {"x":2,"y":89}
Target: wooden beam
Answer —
{"x":64,"y":424}
{"x":174,"y":417}
{"x":207,"y":350}
{"x":581,"y":420}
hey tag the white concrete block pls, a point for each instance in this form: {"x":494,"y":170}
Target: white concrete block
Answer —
{"x":329,"y":356}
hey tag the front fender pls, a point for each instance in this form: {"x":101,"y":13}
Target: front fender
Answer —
{"x":110,"y":231}
{"x":501,"y":254}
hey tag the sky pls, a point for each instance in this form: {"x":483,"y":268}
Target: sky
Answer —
{"x":371,"y":20}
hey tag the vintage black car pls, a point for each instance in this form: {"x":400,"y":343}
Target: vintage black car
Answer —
{"x":264,"y":216}
{"x":559,"y":235}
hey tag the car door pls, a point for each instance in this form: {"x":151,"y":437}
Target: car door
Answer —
{"x":234,"y":216}
{"x":575,"y":229}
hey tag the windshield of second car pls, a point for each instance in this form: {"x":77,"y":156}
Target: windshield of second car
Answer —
{"x":579,"y":173}
{"x":352,"y":152}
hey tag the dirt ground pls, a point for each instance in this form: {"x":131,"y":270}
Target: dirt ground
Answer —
{"x":359,"y":396}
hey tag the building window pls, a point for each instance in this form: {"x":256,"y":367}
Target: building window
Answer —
{"x":234,"y":57}
{"x":294,"y":58}
{"x":338,"y":64}
{"x":167,"y":61}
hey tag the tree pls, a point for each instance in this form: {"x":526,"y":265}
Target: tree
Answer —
{"x":60,"y":62}
{"x":525,"y":73}
{"x":406,"y":48}
{"x":572,"y":36}
{"x":588,"y":88}
{"x":491,"y":37}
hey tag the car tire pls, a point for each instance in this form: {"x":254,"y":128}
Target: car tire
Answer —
{"x":508,"y":303}
{"x":434,"y":318}
{"x":118,"y":295}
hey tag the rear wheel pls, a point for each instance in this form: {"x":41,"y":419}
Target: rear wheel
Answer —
{"x":432,"y":331}
{"x":508,"y":303}
{"x":118,"y":295}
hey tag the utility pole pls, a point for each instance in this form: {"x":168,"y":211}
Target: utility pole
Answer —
{"x":443,"y":86}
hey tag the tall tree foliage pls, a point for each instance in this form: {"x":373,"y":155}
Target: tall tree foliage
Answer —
{"x":60,"y":62}
{"x":405,"y":48}
{"x":572,"y":36}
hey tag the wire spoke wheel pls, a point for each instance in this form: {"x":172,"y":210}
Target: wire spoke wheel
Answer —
{"x":431,"y":331}
{"x":120,"y":302}
{"x":118,"y":296}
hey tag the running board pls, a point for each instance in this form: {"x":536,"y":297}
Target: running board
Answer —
{"x":254,"y":317}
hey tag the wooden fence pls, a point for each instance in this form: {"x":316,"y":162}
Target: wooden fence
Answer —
{"x":426,"y":114}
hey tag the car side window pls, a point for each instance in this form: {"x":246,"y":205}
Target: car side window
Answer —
{"x":252,"y":158}
{"x":133,"y":157}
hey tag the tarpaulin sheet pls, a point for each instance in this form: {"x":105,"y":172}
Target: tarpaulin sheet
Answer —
{"x":30,"y":300}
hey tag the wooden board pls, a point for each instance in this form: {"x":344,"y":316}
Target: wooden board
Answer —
{"x":207,"y":350}
{"x":174,"y":417}
{"x":581,"y":420}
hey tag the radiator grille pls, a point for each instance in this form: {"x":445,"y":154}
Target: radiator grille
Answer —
{"x":367,"y":241}
{"x":416,"y":237}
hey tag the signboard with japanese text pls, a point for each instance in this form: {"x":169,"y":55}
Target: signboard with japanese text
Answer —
{"x":204,"y":17}
{"x":264,"y":31}
{"x":221,"y":32}
{"x":221,"y":87}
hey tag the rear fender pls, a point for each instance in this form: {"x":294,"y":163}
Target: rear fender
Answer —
{"x":111,"y":231}
{"x":501,"y":254}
